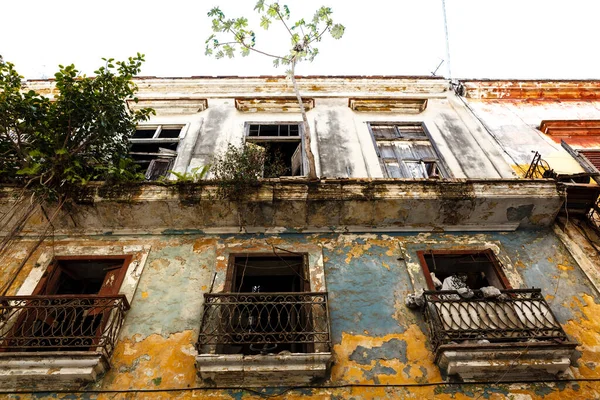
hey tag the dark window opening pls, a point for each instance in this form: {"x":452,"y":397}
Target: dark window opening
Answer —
{"x":278,"y":316}
{"x":268,"y":274}
{"x":155,"y":149}
{"x":169,"y":133}
{"x":476,"y":268}
{"x":144,"y":134}
{"x":269,"y":130}
{"x":283,"y":148}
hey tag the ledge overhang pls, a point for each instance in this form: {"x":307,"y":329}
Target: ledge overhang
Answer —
{"x":50,"y":370}
{"x":272,"y":104}
{"x":530,"y":89}
{"x":388,"y":104}
{"x":310,"y":86}
{"x":170,"y":106}
{"x":505,"y":361}
{"x":261,"y":370}
{"x":297,"y":205}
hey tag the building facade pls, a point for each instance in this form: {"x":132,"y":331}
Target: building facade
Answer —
{"x":432,"y":259}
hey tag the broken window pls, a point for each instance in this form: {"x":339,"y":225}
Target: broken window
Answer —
{"x":284,"y":153}
{"x":405,"y":150}
{"x":154,"y":148}
{"x":473,"y":269}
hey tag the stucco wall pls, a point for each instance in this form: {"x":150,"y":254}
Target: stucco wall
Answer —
{"x":515,"y":123}
{"x":376,"y":339}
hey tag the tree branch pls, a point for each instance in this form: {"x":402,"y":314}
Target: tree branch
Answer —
{"x":284,"y":24}
{"x":316,"y":38}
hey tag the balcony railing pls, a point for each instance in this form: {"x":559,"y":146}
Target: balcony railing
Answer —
{"x":61,"y":323}
{"x":517,"y":315}
{"x":260,"y":323}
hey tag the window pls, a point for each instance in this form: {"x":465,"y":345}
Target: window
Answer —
{"x":75,"y":307}
{"x":266,"y":316}
{"x":270,"y":310}
{"x":474,"y":332}
{"x":154,"y":148}
{"x":477,"y":268}
{"x":405,"y":150}
{"x":283,"y":146}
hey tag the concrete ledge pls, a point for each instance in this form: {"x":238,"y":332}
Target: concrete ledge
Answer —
{"x":260,"y":370}
{"x":50,"y":370}
{"x":278,"y":205}
{"x":505,"y":361}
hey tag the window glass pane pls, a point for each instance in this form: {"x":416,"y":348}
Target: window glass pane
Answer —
{"x":412,"y":131}
{"x":415,"y":169}
{"x":393,"y":169}
{"x":422,"y":150}
{"x":384,"y":131}
{"x":386,"y":150}
{"x":172,"y":133}
{"x":143,"y":133}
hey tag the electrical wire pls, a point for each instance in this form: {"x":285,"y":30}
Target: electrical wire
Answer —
{"x":285,"y":390}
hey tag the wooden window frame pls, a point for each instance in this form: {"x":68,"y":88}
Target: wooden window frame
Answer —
{"x":497,"y":267}
{"x":41,"y":285}
{"x":155,"y":139}
{"x":268,"y":139}
{"x":439,"y":161}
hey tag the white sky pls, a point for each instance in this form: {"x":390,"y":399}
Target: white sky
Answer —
{"x":531,"y":39}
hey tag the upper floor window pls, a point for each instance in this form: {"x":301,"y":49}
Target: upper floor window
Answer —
{"x":473,"y":269}
{"x":284,"y":153}
{"x":405,"y":150}
{"x":154,"y":148}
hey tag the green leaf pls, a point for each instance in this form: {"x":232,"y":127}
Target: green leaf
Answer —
{"x":265,"y":22}
{"x":260,"y":6}
{"x":276,"y":62}
{"x":337,"y":31}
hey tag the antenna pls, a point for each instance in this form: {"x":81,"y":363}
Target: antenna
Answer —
{"x":434,"y":72}
{"x":447,"y":40}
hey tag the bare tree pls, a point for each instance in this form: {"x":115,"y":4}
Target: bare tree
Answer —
{"x":304,"y":35}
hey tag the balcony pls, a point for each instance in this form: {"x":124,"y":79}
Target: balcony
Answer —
{"x":57,"y":341}
{"x":513,"y":336}
{"x":253,"y":338}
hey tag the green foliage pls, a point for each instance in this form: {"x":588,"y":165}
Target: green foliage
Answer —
{"x":55,"y":147}
{"x":239,"y":168}
{"x":303,"y":35}
{"x":194,"y":176}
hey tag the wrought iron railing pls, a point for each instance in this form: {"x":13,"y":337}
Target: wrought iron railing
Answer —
{"x":61,"y":323}
{"x":517,"y":315}
{"x":260,"y":323}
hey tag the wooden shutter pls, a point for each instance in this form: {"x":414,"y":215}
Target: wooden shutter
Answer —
{"x":593,"y":156}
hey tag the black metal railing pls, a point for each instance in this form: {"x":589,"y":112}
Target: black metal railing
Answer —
{"x":259,"y":323}
{"x":61,"y":323}
{"x":517,"y":315}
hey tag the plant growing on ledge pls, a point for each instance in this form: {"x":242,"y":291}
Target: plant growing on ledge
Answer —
{"x":304,"y":36}
{"x":239,"y":169}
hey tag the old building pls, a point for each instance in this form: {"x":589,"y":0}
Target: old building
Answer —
{"x":300,"y":288}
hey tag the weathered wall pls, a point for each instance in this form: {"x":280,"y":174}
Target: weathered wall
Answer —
{"x":515,"y":122}
{"x":377,"y":340}
{"x":342,"y":144}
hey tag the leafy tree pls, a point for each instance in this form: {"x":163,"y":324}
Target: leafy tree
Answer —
{"x":304,"y":37}
{"x":55,"y":146}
